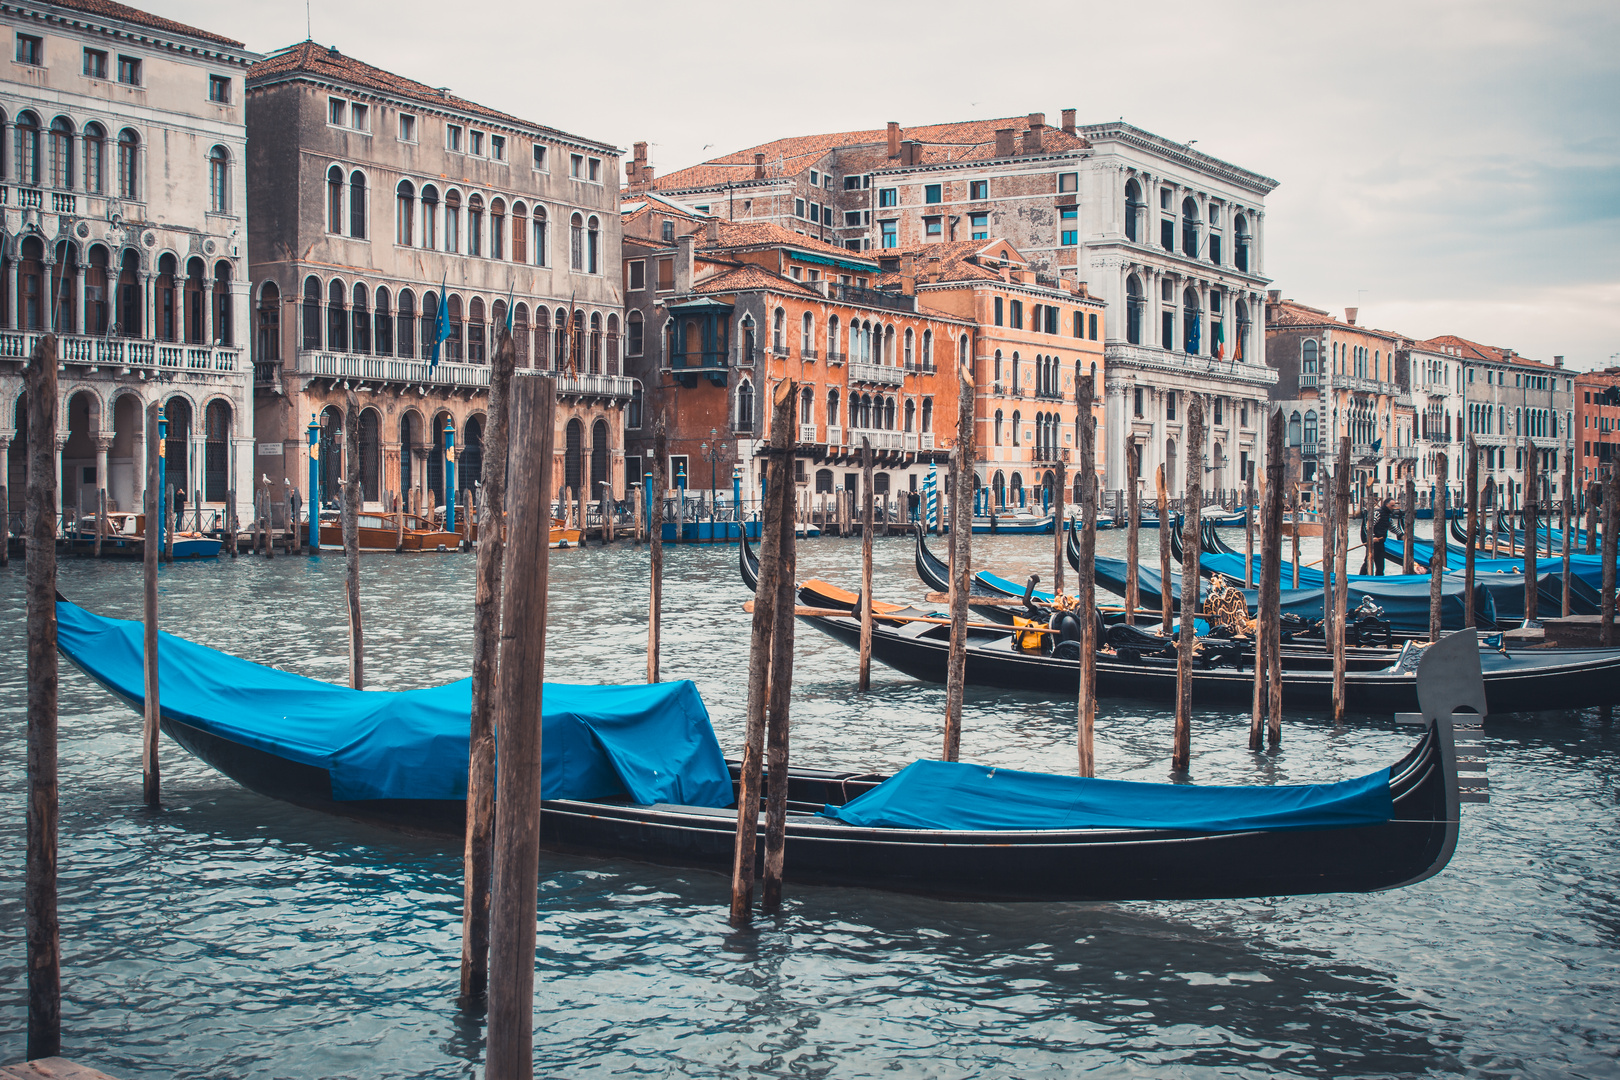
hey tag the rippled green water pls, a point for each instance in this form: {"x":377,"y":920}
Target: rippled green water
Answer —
{"x":231,"y":936}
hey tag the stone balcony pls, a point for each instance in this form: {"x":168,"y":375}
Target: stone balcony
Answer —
{"x":1147,"y":358}
{"x":587,"y":387}
{"x":876,"y":374}
{"x":125,"y":354}
{"x":310,"y":363}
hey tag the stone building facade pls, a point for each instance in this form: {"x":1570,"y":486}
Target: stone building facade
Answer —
{"x":123,"y":229}
{"x":1597,"y":423}
{"x":375,"y":200}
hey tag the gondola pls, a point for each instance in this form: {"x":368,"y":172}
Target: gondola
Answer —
{"x":812,"y":593}
{"x":936,"y":574}
{"x":1000,"y":835}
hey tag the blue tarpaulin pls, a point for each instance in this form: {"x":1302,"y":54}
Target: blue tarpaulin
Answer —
{"x":653,"y":744}
{"x":960,"y":797}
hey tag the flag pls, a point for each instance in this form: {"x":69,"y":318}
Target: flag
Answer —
{"x":509,"y":291}
{"x":441,"y":327}
{"x":1194,"y":333}
{"x":1218,"y":340}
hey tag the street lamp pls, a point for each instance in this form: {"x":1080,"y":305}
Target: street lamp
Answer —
{"x":163,"y":441}
{"x":449,"y":476}
{"x":314,"y":485}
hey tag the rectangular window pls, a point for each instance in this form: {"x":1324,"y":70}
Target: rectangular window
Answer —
{"x":360,"y":117}
{"x":1051,"y":320}
{"x":576,"y":166}
{"x":979,"y":189}
{"x":1000,"y":319}
{"x":931,"y":193}
{"x":815,"y":178}
{"x":452,"y":138}
{"x":475,"y":143}
{"x":596,"y":170}
{"x":539,"y":155}
{"x":815,"y":212}
{"x":95,"y":66}
{"x":1138,"y":396}
{"x":638,"y":275}
{"x":891,"y":233}
{"x":1015,"y":314}
{"x":851,"y":217}
{"x":933,"y":227}
{"x":1093,"y":334}
{"x":852,"y":183}
{"x":666,"y":275}
{"x":1215,"y":248}
{"x":129,"y":70}
{"x":888,"y":196}
{"x":826,"y":215}
{"x":1170,"y":405}
{"x":1070,"y":237}
{"x":407,"y":127}
{"x":798,"y":208}
{"x":980,"y":224}
{"x":1167,"y":234}
{"x":30,"y":49}
{"x":497,"y":147}
{"x":1069,"y":219}
{"x":1068,"y":181}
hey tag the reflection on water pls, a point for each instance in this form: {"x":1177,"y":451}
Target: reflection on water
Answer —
{"x":231,"y":936}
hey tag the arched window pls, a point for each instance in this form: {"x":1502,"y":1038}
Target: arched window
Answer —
{"x":219,"y":180}
{"x":28,"y":149}
{"x":520,"y":335}
{"x":824,"y":481}
{"x":1240,"y":251}
{"x":1134,"y":304}
{"x":593,"y":246}
{"x":196,"y":302}
{"x":267,"y":328}
{"x":216,"y":451}
{"x":596,"y":343}
{"x":636,"y":333}
{"x":430,"y":217}
{"x":95,"y":159}
{"x":1189,"y":300}
{"x":357,"y":205}
{"x":779,"y":331}
{"x":807,"y":406}
{"x":928,"y":350}
{"x":430,"y":319}
{"x":613,"y":345}
{"x":361,"y":313}
{"x":910,"y":351}
{"x":541,"y":247}
{"x":807,"y":339}
{"x":497,"y":229}
{"x":453,"y":343}
{"x":1017,"y":421}
{"x":1307,"y":362}
{"x":888,"y":415}
{"x":337,"y":317}
{"x":927,"y":415}
{"x":577,"y":341}
{"x":405,"y":325}
{"x":129,"y":148}
{"x":911,"y":415}
{"x":1133,"y":206}
{"x":405,"y":214}
{"x":1189,"y":228}
{"x":998,"y":427}
{"x":131,"y":304}
{"x":475,"y":225}
{"x":832,"y":408}
{"x":97,"y":297}
{"x":475,"y":329}
{"x":560,"y":345}
{"x":1017,"y":386}
{"x":384,"y":321}
{"x":520,"y":232}
{"x":745,"y":406}
{"x":452,"y":220}
{"x":576,"y":242}
{"x":312,"y":312}
{"x":1240,"y":351}
{"x":962,"y":350}
{"x":334,"y":201}
{"x":62,"y":170}
{"x":370,"y":451}
{"x":1310,"y":427}
{"x":1294,"y":428}
{"x":224,"y":331}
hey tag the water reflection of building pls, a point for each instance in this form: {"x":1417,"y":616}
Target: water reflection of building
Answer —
{"x":123,"y":205}
{"x":375,"y":199}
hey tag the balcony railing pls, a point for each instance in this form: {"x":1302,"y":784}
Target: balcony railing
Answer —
{"x":808,"y":354}
{"x":1307,"y":379}
{"x":63,"y":204}
{"x":928,"y":440}
{"x":389,"y":370}
{"x":779,"y":351}
{"x":876,"y":373}
{"x":30,"y":198}
{"x":854,"y":294}
{"x":589,"y":386}
{"x":835,"y":435}
{"x":881,"y":440}
{"x":836,"y":357}
{"x":910,"y":441}
{"x":123,"y":352}
{"x":807,"y":433}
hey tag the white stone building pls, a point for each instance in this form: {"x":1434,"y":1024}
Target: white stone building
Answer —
{"x":123,"y":205}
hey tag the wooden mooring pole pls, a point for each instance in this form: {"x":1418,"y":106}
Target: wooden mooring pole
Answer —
{"x":1471,"y":482}
{"x":1133,"y":529}
{"x":1330,"y":540}
{"x":165,"y":524}
{"x":1192,"y":509}
{"x":1437,"y":564}
{"x":519,"y":688}
{"x":1059,"y":533}
{"x":1298,"y":509}
{"x":655,"y":501}
{"x":270,"y":516}
{"x":776,"y":505}
{"x":1250,"y":512}
{"x":231,"y":524}
{"x":478,"y":847}
{"x":42,"y":928}
{"x":1532,"y":529}
{"x":781,"y":694}
{"x":1593,"y":491}
{"x":1164,"y":551}
{"x":1268,"y":631}
{"x":962,"y":485}
{"x":1409,"y":519}
{"x":351,"y":542}
{"x":865,"y":682}
{"x":1611,"y":519}
{"x":1085,"y":585}
{"x":151,"y":706}
{"x":5,"y":521}
{"x":1568,"y":506}
{"x":1341,"y":572}
{"x":101,"y":519}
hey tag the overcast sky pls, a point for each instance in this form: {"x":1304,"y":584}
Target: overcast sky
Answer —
{"x":1447,"y":167}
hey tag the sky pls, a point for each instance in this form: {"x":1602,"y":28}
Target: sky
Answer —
{"x":1447,"y":167}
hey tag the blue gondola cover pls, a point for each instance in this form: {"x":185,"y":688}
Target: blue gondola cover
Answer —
{"x":654,"y":744}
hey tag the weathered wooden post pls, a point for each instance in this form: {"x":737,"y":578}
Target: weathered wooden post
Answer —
{"x":478,"y":849}
{"x":1594,"y":491}
{"x":1341,"y":573}
{"x":351,"y":542}
{"x":299,"y":542}
{"x":1569,"y":495}
{"x":1297,"y":511}
{"x":164,"y":523}
{"x":1437,"y":565}
{"x":636,"y":509}
{"x":962,"y":486}
{"x":270,"y":516}
{"x":519,"y":690}
{"x":1164,"y":551}
{"x":1330,"y":540}
{"x":1133,"y":527}
{"x":655,"y":497}
{"x":781,"y":694}
{"x":1611,"y":520}
{"x":1268,"y":634}
{"x":5,"y":522}
{"x":151,"y":707}
{"x":767,"y":595}
{"x":42,"y":927}
{"x":1471,"y":482}
{"x":1059,"y":533}
{"x":1532,"y":529}
{"x":1409,"y":519}
{"x":1192,"y":508}
{"x":866,"y":566}
{"x":1084,"y":588}
{"x":1250,"y":512}
{"x":399,"y":524}
{"x":232,"y":526}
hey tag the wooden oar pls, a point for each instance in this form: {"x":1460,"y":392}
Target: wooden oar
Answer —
{"x":748,"y":606}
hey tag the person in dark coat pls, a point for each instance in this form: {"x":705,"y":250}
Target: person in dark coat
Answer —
{"x":179,"y":508}
{"x":1380,"y":532}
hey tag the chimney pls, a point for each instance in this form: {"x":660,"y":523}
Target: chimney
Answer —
{"x":684,"y":247}
{"x":910,"y":152}
{"x":646,"y":176}
{"x":908,"y":274}
{"x":636,"y":171}
{"x":1068,"y":121}
{"x":759,"y":166}
{"x":1273,"y":296}
{"x":1004,"y":142}
{"x":1037,"y":120}
{"x":894,"y":139}
{"x":934,"y":272}
{"x":1558,"y":361}
{"x":714,"y":230}
{"x":1350,"y":315}
{"x":640,"y":149}
{"x":1034,"y":137}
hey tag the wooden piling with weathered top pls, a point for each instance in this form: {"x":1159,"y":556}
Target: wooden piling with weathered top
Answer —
{"x":1059,"y":533}
{"x":351,"y":542}
{"x":1341,"y":572}
{"x":1611,"y":520}
{"x":1471,"y":482}
{"x":655,"y":600}
{"x":962,"y":484}
{"x":1085,"y":587}
{"x":777,"y":707}
{"x":1165,"y":523}
{"x":1437,"y":564}
{"x":1192,"y":509}
{"x":1268,"y":627}
{"x":865,"y":670}
{"x":1133,"y":528}
{"x":151,"y":706}
{"x":1568,"y":505}
{"x":1532,"y":529}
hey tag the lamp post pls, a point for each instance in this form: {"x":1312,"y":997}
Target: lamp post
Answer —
{"x":449,"y":476}
{"x":713,"y":451}
{"x":736,"y":496}
{"x":163,"y":483}
{"x":314,"y":486}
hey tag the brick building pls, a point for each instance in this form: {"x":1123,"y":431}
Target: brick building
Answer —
{"x":376,"y":199}
{"x":1597,"y":423}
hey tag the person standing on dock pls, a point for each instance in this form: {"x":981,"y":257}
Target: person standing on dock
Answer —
{"x":179,"y":507}
{"x":1380,"y":533}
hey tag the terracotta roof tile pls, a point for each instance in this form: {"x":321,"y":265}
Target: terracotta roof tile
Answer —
{"x":865,"y":151}
{"x":109,"y":10}
{"x":736,"y":234}
{"x":749,"y":277}
{"x":1473,"y":350}
{"x":955,"y":260}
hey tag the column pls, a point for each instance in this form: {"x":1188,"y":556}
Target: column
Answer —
{"x":391,"y":475}
{"x":10,"y":286}
{"x":149,"y":307}
{"x":5,"y":467}
{"x":103,"y":447}
{"x":61,"y":444}
{"x":81,"y":288}
{"x":1116,"y":472}
{"x":207,"y":300}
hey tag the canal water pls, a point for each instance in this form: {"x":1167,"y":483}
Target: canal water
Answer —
{"x":230,"y":936}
